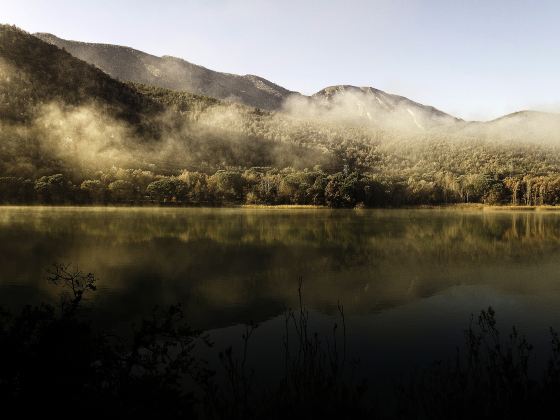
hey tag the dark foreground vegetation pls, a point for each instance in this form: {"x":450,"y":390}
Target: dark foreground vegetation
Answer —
{"x":272,"y":186}
{"x":55,"y":361}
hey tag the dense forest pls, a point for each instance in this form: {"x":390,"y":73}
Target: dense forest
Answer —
{"x":69,"y":133}
{"x":287,"y":186}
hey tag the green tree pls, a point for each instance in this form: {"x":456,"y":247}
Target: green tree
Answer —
{"x":196,"y":186}
{"x":54,"y":189}
{"x":94,"y":190}
{"x":167,"y":190}
{"x":123,"y":191}
{"x":227,"y":185}
{"x":16,"y":190}
{"x":344,"y":190}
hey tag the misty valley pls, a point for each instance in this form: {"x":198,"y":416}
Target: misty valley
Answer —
{"x":184,"y":243}
{"x":71,"y":134}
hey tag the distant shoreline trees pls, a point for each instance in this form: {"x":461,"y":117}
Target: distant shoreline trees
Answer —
{"x":270,"y":186}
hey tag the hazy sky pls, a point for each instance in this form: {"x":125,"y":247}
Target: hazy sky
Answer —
{"x":475,"y":59}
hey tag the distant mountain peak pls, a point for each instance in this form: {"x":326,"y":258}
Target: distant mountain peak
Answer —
{"x":337,"y":89}
{"x":382,"y":107}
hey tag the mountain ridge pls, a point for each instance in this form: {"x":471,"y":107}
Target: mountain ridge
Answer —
{"x":129,"y":64}
{"x":178,"y":74}
{"x":274,"y":97}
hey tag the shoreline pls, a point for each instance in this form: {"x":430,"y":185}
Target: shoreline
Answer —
{"x":457,"y":206}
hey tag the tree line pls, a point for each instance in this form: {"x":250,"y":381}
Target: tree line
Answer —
{"x":269,"y":186}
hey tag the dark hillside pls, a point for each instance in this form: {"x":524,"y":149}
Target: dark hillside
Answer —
{"x":35,"y":73}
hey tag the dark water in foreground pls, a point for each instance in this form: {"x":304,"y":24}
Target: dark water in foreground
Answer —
{"x":408,"y":279}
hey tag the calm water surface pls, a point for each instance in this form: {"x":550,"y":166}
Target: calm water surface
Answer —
{"x":408,"y":279}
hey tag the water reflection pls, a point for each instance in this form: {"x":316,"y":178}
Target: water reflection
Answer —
{"x":234,"y":265}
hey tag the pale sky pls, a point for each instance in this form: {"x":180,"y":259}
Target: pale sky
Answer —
{"x":476,"y":59}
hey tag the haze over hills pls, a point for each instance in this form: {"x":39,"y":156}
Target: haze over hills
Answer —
{"x":365,"y":104}
{"x":380,"y":107}
{"x":343,"y":103}
{"x":59,"y":113}
{"x":342,"y":146}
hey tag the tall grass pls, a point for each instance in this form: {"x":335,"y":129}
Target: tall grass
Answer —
{"x":53,"y":360}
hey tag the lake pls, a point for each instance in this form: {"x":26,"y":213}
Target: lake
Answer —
{"x":408,"y":279}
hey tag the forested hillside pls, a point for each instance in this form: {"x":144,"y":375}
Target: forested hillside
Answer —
{"x":33,"y":73}
{"x":69,"y":133}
